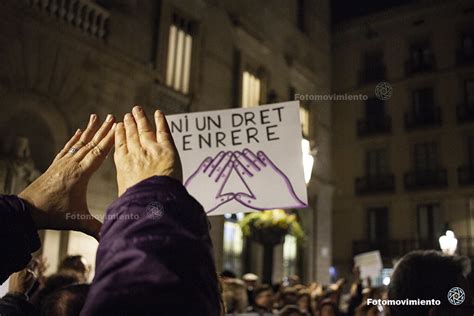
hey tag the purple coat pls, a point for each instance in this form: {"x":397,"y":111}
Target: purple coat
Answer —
{"x":155,"y":255}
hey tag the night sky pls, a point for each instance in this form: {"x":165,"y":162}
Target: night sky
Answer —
{"x":343,"y":10}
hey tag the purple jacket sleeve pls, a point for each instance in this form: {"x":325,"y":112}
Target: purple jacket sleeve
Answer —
{"x":155,"y":255}
{"x":18,"y":235}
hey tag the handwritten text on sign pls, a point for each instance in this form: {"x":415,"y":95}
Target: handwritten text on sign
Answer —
{"x":240,"y":159}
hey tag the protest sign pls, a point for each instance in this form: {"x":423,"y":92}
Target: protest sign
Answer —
{"x":369,"y":264}
{"x":243,"y":159}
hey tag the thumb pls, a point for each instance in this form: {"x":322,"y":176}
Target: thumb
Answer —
{"x":244,"y":198}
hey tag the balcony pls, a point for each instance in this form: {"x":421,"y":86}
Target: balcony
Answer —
{"x":397,"y":248}
{"x":425,"y":179}
{"x":372,"y":74}
{"x":374,"y":126}
{"x":84,"y":15}
{"x":466,"y":175}
{"x":465,"y":113}
{"x":419,"y":120}
{"x":464,"y":56}
{"x":412,"y":67}
{"x":375,"y":184}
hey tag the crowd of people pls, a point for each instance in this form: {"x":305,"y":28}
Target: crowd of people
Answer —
{"x":424,"y":275}
{"x":162,"y":263}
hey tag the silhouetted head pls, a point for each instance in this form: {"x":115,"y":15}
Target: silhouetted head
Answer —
{"x":67,"y":301}
{"x":427,"y":275}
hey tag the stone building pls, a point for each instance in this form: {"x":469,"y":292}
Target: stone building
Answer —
{"x":65,"y":59}
{"x":403,"y":160}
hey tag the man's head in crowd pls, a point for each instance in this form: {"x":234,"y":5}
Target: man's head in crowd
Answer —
{"x":76,"y":264}
{"x":66,"y":301}
{"x":264,"y":296}
{"x":427,"y":275}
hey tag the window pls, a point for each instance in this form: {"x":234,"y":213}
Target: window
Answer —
{"x":467,"y":44}
{"x":180,"y":43}
{"x":304,"y":119}
{"x":426,"y":156}
{"x":469,"y":92}
{"x":374,"y":109}
{"x":423,"y":102}
{"x":470,"y":150}
{"x":421,"y":56}
{"x":376,"y":162}
{"x":301,"y":9}
{"x":377,"y":218}
{"x":373,"y":68}
{"x":290,"y":250}
{"x":251,"y":90}
{"x":428,"y":221}
{"x":233,"y":245}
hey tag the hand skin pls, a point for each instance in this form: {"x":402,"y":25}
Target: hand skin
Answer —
{"x":61,"y":191}
{"x":22,"y":282}
{"x":141,"y":153}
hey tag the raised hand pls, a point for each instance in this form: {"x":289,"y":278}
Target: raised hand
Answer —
{"x":140,"y":152}
{"x":210,"y":178}
{"x":58,"y":196}
{"x":257,"y":169}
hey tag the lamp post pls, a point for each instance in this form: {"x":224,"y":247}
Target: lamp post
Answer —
{"x":448,"y":243}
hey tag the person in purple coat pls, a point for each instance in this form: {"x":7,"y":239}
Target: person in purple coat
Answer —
{"x":155,"y":252}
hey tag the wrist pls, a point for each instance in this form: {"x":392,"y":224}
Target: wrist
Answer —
{"x":37,"y":215}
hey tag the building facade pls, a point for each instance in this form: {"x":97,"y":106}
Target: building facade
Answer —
{"x":403,"y":155}
{"x":65,"y":59}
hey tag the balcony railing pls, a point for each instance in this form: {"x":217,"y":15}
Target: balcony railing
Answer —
{"x":85,"y":15}
{"x":466,"y":175}
{"x":375,"y":184}
{"x":374,"y":126}
{"x":372,"y":74}
{"x":414,"y":120}
{"x":412,"y":67}
{"x":397,"y":248}
{"x":426,"y":179}
{"x":464,"y":56}
{"x":465,"y":113}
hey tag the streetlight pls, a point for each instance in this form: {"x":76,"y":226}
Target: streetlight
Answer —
{"x":308,"y":160}
{"x":448,"y":243}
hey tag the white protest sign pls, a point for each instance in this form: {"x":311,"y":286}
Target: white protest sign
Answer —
{"x":243,"y":159}
{"x":369,"y":264}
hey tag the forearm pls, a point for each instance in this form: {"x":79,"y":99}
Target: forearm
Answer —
{"x":155,"y":240}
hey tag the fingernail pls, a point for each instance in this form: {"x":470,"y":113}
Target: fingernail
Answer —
{"x":78,"y":131}
{"x":92,"y":118}
{"x":158,"y":113}
{"x":109,"y":117}
{"x":137,"y":108}
{"x":127,"y":116}
{"x":114,"y":125}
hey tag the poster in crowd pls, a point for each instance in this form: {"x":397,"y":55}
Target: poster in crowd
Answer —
{"x":242,"y":159}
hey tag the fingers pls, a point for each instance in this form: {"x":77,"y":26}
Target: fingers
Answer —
{"x":97,"y":155}
{"x":220,"y":165}
{"x":74,"y":139}
{"x":210,"y":167}
{"x":131,"y":132}
{"x":89,"y":132}
{"x":120,"y":139}
{"x":225,"y":173}
{"x":250,"y":156}
{"x":145,"y":131}
{"x":244,"y":198}
{"x":240,"y":165}
{"x":163,"y":134}
{"x":93,"y":144}
{"x":264,"y":158}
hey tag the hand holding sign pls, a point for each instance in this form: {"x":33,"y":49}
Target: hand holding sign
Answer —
{"x":253,"y":170}
{"x":212,"y":174}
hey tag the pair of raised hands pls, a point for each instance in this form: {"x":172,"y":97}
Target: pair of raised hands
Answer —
{"x":141,"y":151}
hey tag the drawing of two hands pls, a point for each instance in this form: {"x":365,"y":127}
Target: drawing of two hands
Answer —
{"x":254,"y":170}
